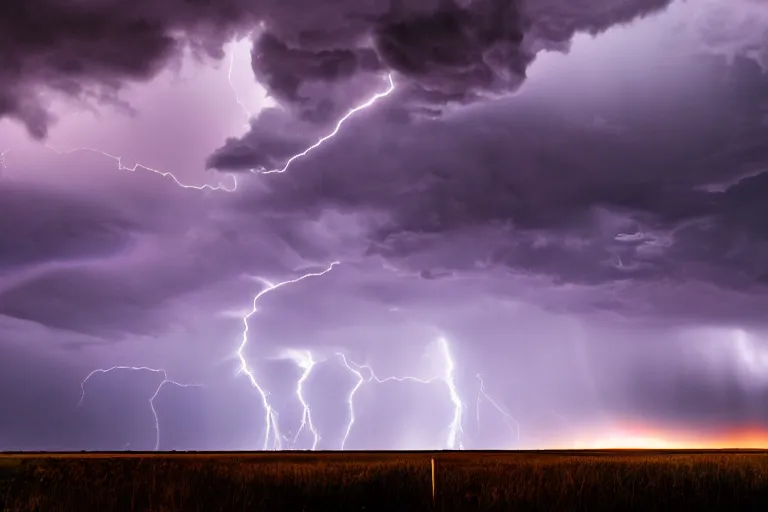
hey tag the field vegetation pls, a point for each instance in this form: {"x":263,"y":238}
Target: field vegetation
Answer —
{"x":526,"y":481}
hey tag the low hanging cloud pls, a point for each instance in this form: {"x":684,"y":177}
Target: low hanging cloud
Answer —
{"x":90,"y":49}
{"x":315,"y":59}
{"x":33,"y":229}
{"x":440,"y":53}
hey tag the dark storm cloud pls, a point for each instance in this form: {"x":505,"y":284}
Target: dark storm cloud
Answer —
{"x":275,"y":136}
{"x":442,"y":54}
{"x":111,"y":267}
{"x":133,"y":293}
{"x":60,"y":253}
{"x":38,"y":225}
{"x":442,"y":50}
{"x":536,"y":184}
{"x":88,"y":49}
{"x":88,"y":301}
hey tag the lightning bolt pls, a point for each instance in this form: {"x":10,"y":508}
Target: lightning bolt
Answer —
{"x":165,"y":381}
{"x":351,"y":397}
{"x":306,"y":362}
{"x":373,"y":99}
{"x":234,"y":184}
{"x":271,"y":428}
{"x":455,"y":428}
{"x":481,"y":394}
{"x":220,"y":187}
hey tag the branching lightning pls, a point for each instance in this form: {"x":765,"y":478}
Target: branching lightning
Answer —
{"x":271,"y":428}
{"x":373,"y":99}
{"x":508,"y":419}
{"x":272,"y":431}
{"x":233,"y":187}
{"x":165,"y":381}
{"x":455,"y":428}
{"x":351,"y":397}
{"x":272,"y":436}
{"x":306,"y":362}
{"x":220,"y":187}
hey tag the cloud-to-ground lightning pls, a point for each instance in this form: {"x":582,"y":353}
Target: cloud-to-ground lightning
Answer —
{"x":271,"y":429}
{"x":351,"y":397}
{"x":306,"y":362}
{"x":483,"y":395}
{"x":373,"y":99}
{"x":455,"y":428}
{"x":165,"y":381}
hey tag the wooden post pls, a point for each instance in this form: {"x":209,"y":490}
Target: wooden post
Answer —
{"x":433,"y":483}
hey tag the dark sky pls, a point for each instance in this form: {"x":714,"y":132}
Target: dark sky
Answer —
{"x":550,"y":223}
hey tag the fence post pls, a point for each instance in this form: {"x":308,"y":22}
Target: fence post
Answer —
{"x":433,"y":483}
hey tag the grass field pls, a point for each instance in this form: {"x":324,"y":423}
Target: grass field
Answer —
{"x":391,"y":481}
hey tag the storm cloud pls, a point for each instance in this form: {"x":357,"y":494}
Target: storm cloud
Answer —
{"x":316,"y":63}
{"x":569,"y":194}
{"x":589,"y":192}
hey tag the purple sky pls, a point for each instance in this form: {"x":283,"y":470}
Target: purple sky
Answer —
{"x":557,"y":218}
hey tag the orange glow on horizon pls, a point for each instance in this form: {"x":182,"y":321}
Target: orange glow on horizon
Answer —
{"x":639,"y":436}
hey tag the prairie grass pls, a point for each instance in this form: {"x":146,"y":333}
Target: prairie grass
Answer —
{"x":388,"y":481}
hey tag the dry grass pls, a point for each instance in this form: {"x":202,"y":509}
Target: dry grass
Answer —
{"x":387,"y":481}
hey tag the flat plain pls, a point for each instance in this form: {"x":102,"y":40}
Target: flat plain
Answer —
{"x":393,"y":481}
